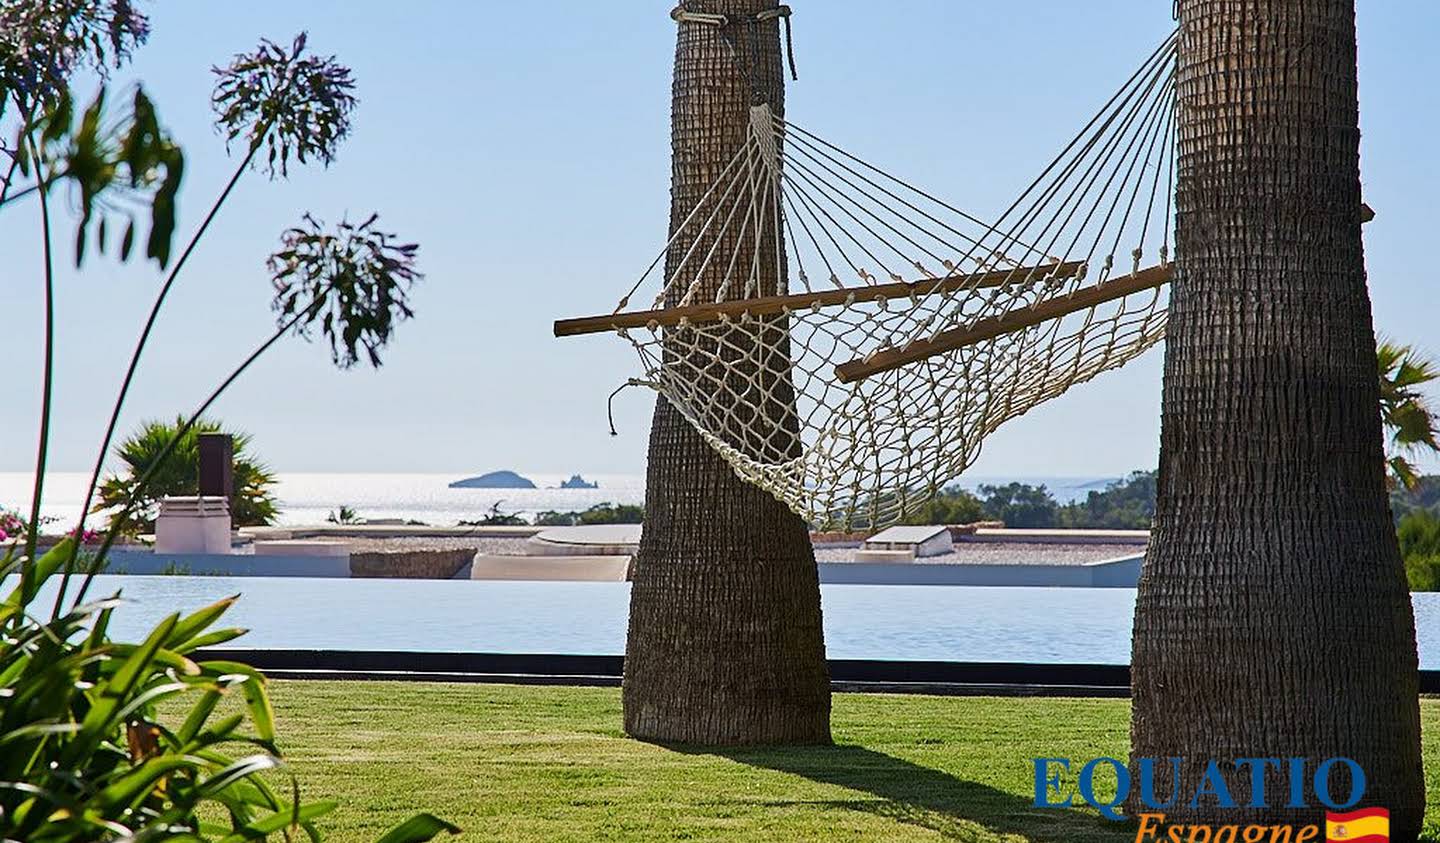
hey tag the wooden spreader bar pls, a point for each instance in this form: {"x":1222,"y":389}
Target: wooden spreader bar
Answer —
{"x":985,"y":329}
{"x":771,"y":305}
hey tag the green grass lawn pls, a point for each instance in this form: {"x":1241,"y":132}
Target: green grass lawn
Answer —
{"x":551,"y":764}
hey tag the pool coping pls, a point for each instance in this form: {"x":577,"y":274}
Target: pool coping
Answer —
{"x":856,"y":675}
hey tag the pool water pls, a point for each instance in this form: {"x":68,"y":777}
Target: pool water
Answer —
{"x":949,"y":623}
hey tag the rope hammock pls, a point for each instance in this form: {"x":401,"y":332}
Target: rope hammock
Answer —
{"x":915,"y":329}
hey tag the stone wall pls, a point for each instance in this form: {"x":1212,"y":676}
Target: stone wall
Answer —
{"x":431,"y":564}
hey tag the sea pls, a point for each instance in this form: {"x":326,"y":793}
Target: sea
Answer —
{"x":308,"y":498}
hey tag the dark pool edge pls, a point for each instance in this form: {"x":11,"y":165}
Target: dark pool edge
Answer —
{"x":854,"y":675}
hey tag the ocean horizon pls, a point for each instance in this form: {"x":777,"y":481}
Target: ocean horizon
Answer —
{"x":308,"y":497}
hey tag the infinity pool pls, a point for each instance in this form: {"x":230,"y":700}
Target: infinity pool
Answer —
{"x":951,"y":623}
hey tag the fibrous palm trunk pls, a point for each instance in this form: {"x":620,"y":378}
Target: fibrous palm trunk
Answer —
{"x":1273,"y":619}
{"x":725,"y":643}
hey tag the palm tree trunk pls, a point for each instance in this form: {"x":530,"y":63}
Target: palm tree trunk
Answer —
{"x":725,"y":643}
{"x":1273,"y":618}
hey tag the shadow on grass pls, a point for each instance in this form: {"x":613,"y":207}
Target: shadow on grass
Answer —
{"x":907,"y":792}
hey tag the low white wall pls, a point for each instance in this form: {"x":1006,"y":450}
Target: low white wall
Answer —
{"x":144,"y":562}
{"x":1110,"y":573}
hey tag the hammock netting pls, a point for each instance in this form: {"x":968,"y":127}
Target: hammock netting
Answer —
{"x":846,"y":340}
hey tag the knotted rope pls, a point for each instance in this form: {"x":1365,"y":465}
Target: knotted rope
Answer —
{"x":914,"y":330}
{"x":726,"y":24}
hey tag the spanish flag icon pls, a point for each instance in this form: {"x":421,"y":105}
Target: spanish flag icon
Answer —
{"x":1368,"y":825}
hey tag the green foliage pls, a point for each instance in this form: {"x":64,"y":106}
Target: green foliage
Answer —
{"x":253,"y":503}
{"x":953,"y":505}
{"x":353,"y":281}
{"x":496,"y":518}
{"x":13,"y":525}
{"x":85,"y":753}
{"x":605,"y":513}
{"x":344,"y":515}
{"x":1408,"y":417}
{"x":1020,"y":505}
{"x":1127,"y":504}
{"x":1424,"y":495}
{"x":114,"y":164}
{"x":289,"y":102}
{"x":42,"y":42}
{"x":88,"y":756}
{"x":600,"y":513}
{"x":1419,"y":535}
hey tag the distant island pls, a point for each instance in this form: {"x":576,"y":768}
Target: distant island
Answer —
{"x":494,"y":480}
{"x":578,"y":482}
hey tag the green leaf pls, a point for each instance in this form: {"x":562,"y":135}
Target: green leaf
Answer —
{"x":257,"y":699}
{"x":101,"y":717}
{"x":242,"y":769}
{"x":199,"y":621}
{"x":162,"y":657}
{"x":38,"y":729}
{"x":135,"y":785}
{"x":210,"y":639}
{"x":40,"y":571}
{"x":278,"y":821}
{"x":262,"y":715}
{"x":199,"y":713}
{"x":418,"y":829}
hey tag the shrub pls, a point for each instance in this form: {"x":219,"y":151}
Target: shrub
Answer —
{"x":88,"y":755}
{"x":252,"y":501}
{"x":1127,"y":504}
{"x":496,"y":518}
{"x":951,"y":506}
{"x":606,"y":513}
{"x":1020,"y":505}
{"x":602,"y":513}
{"x":12,"y":525}
{"x":1419,"y":536}
{"x":85,"y":753}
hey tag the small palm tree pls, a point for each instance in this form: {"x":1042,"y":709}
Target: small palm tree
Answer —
{"x":1408,"y":416}
{"x":252,"y":503}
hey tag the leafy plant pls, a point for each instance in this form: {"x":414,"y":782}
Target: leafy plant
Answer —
{"x":252,"y":500}
{"x":1127,"y":504}
{"x":496,"y":518}
{"x":86,"y":750}
{"x":290,"y":103}
{"x":1020,"y":505}
{"x":600,"y":513}
{"x":12,"y":525}
{"x":1408,"y":417}
{"x":114,"y":165}
{"x":1419,"y":535}
{"x":43,"y":42}
{"x":90,"y":756}
{"x":355,"y":282}
{"x":345,"y":515}
{"x":951,"y":506}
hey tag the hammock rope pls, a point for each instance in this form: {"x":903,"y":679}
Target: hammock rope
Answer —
{"x":913,"y":329}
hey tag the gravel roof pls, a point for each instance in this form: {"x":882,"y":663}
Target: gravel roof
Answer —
{"x":1005,"y":553}
{"x":965,"y":553}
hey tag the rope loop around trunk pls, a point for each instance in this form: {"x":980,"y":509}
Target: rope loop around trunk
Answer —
{"x":727,"y":24}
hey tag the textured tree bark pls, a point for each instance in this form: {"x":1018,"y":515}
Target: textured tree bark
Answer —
{"x":1273,"y":617}
{"x":725,"y":643}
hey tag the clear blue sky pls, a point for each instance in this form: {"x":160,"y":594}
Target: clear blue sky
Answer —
{"x":525,"y":146}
